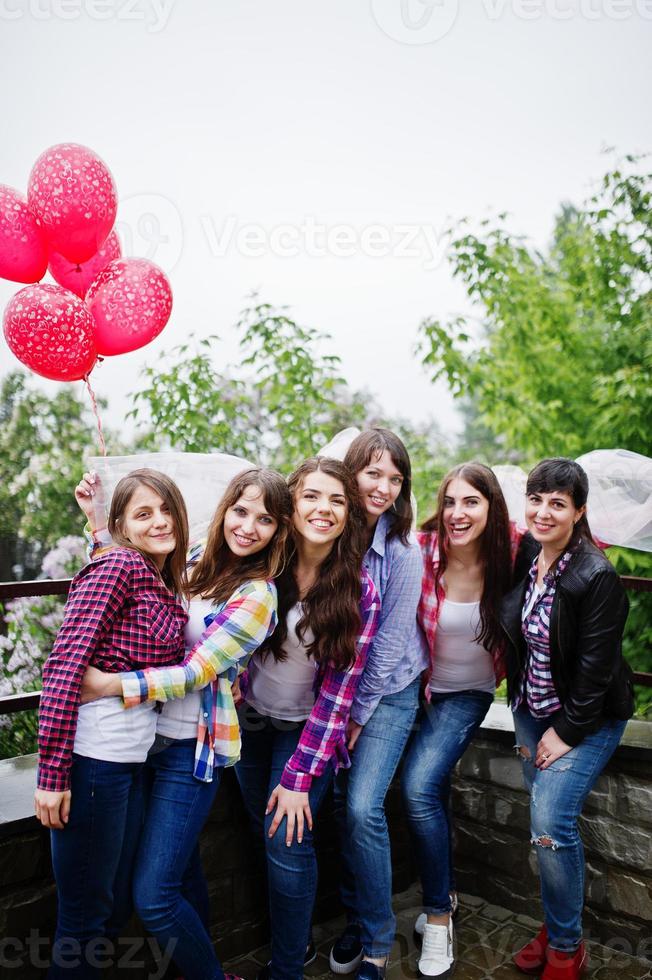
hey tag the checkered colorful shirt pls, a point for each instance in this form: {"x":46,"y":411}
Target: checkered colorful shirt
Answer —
{"x":323,"y":739}
{"x":234,"y":630}
{"x":537,"y":689}
{"x":431,"y":599}
{"x":119,"y":615}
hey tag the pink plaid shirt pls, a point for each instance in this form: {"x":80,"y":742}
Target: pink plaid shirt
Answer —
{"x":431,"y":598}
{"x":323,"y":739}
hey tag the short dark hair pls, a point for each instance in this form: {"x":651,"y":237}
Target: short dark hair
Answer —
{"x":567,"y":476}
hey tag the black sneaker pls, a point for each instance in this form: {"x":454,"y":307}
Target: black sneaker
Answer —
{"x":346,"y":954}
{"x":310,"y":957}
{"x":371,"y":971}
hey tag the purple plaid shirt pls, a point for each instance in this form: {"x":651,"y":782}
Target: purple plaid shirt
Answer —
{"x":323,"y":738}
{"x":537,"y":688}
{"x":119,"y":616}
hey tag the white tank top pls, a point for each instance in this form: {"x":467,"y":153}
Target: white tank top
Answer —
{"x":460,"y":663}
{"x":283,"y":689}
{"x":179,"y":718}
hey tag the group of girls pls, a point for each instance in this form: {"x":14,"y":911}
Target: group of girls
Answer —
{"x":297,"y":639}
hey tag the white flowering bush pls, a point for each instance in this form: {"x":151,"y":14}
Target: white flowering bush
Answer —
{"x":31,"y":626}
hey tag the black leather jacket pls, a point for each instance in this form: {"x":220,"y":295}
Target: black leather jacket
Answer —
{"x":592,"y":680}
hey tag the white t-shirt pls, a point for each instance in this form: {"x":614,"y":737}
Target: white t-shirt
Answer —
{"x":283,"y":689}
{"x":179,"y":717}
{"x":461,"y":663}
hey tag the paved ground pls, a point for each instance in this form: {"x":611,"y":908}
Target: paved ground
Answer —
{"x":486,"y":936}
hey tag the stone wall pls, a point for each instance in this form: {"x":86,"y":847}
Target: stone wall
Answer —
{"x":236,"y":886}
{"x":495,"y":860}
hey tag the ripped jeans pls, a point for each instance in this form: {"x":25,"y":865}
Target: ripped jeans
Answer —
{"x":557,"y":795}
{"x":445,"y":727}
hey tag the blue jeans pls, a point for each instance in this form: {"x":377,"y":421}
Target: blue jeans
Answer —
{"x":446,"y":726}
{"x":267,"y":744}
{"x":169,"y":888}
{"x":92,"y":859}
{"x":557,"y":795}
{"x":359,"y":805}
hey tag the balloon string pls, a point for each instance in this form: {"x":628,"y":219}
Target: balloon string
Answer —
{"x":96,"y":414}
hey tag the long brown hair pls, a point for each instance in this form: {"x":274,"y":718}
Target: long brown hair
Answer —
{"x":219,"y":572}
{"x":371,"y":445}
{"x":495,"y":551}
{"x":331,"y":608}
{"x":173,"y":572}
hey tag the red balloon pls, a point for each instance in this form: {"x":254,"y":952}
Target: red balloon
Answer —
{"x":131,"y":301}
{"x":72,"y":193}
{"x":76,"y":276}
{"x":50,"y":331}
{"x":23,"y":249}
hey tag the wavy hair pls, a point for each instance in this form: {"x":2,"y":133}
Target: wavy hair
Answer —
{"x":219,"y":572}
{"x":567,"y":476}
{"x":495,"y":548}
{"x":371,"y":445}
{"x":173,"y":572}
{"x":331,"y":608}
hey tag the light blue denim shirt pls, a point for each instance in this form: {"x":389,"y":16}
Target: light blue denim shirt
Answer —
{"x":399,"y":652}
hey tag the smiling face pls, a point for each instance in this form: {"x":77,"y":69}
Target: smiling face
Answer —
{"x":148,"y":524}
{"x":551,"y":517}
{"x":320,"y":508}
{"x":248,"y":527}
{"x":380,"y":484}
{"x":465,"y":512}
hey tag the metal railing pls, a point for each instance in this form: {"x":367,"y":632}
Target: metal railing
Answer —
{"x":12,"y":703}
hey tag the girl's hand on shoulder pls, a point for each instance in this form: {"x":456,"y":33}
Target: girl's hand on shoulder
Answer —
{"x":295,"y":806}
{"x":98,"y":684}
{"x":52,"y":809}
{"x":550,"y":748}
{"x":352,"y":734}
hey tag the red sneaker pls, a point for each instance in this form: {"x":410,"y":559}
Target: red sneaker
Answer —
{"x":532,"y":957}
{"x":565,"y":966}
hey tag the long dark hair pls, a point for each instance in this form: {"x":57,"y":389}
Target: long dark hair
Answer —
{"x":331,"y":608}
{"x":567,"y":476}
{"x":495,"y":550}
{"x":173,"y":572}
{"x":371,"y":445}
{"x":219,"y":572}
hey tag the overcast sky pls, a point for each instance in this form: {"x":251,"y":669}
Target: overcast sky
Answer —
{"x":315,"y":151}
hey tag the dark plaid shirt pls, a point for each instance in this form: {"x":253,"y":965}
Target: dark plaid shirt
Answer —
{"x":119,"y":616}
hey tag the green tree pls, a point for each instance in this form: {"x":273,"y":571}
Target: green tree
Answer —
{"x":564,"y":358}
{"x":43,"y":441}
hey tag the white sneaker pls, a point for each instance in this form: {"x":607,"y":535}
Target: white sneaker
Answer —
{"x":421,"y":919}
{"x":437,"y":951}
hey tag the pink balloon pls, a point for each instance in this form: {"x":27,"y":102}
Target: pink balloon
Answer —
{"x":23,"y":249}
{"x":72,"y":193}
{"x":131,"y":301}
{"x":50,"y":331}
{"x":77,"y":276}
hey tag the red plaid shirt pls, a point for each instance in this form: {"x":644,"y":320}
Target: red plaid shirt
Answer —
{"x":431,"y":599}
{"x":119,"y":616}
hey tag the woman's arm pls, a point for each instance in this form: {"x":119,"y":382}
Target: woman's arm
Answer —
{"x":97,"y":595}
{"x":397,"y":615}
{"x":237,"y":631}
{"x":601,"y":620}
{"x":324,"y":734}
